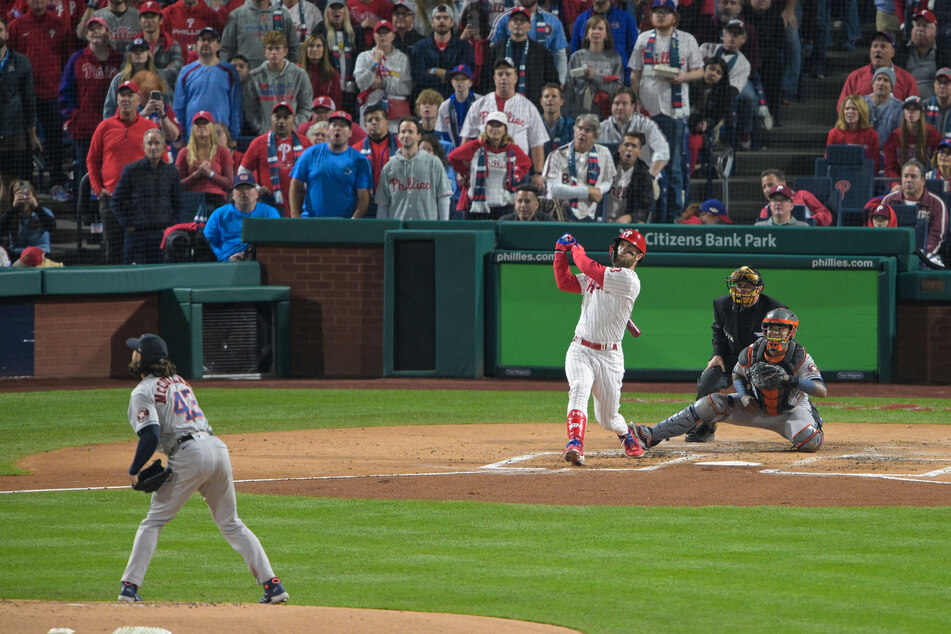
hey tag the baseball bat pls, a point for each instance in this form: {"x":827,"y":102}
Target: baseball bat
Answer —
{"x":633,"y":329}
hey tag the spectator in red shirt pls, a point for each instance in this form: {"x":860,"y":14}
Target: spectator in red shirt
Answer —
{"x":116,"y":142}
{"x":204,"y":166}
{"x":773,"y":178}
{"x":83,"y":87}
{"x":42,"y":36}
{"x":855,"y":128}
{"x":367,"y":13}
{"x":317,"y":63}
{"x":914,"y":139}
{"x":881,"y":54}
{"x":185,"y":19}
{"x":271,"y":157}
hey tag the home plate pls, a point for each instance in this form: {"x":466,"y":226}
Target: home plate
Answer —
{"x":728,"y":463}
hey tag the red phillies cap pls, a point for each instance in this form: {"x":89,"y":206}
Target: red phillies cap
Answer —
{"x":203,"y":114}
{"x":927,"y":15}
{"x":131,"y":85}
{"x":30,"y":257}
{"x":383,"y":24}
{"x":325,"y":102}
{"x":520,"y":11}
{"x":97,"y":20}
{"x":781,"y":190}
{"x":340,"y":114}
{"x":150,"y":7}
{"x":282,"y":104}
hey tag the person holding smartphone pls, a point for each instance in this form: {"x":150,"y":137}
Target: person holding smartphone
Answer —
{"x":25,"y":224}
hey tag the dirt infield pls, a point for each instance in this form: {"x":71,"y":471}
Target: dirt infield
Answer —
{"x":859,"y":465}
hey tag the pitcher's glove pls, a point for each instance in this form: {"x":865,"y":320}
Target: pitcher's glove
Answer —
{"x":566,"y":243}
{"x":768,"y":376}
{"x":152,"y":477}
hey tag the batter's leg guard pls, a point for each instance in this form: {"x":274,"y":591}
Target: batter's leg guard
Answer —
{"x":574,"y":450}
{"x":710,"y":409}
{"x":809,"y":440}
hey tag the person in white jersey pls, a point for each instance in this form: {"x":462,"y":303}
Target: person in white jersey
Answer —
{"x":164,"y":413}
{"x":594,"y":363}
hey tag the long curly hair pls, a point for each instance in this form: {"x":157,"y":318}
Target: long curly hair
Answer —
{"x":865,"y":120}
{"x":163,"y":368}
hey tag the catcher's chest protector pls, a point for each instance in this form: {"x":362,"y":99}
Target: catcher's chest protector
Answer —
{"x":775,"y":402}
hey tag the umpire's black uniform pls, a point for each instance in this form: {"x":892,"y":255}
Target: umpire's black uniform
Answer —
{"x":733,"y":330}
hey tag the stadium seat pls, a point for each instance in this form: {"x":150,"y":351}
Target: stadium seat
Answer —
{"x":852,"y":155}
{"x":935,"y":186}
{"x":799,"y":213}
{"x":821,"y":188}
{"x":854,"y":183}
{"x":851,"y":217}
{"x":906,"y":215}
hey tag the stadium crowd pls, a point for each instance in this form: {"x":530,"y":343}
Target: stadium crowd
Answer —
{"x":187,"y":117}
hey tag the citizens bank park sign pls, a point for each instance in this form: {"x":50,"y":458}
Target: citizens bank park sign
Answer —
{"x":753,"y":239}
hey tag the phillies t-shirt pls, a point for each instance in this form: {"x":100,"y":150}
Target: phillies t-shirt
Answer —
{"x":255,"y":159}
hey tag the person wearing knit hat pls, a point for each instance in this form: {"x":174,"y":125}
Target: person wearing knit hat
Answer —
{"x":884,"y":108}
{"x":881,"y":55}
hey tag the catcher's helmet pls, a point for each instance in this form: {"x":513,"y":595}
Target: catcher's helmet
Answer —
{"x":629,"y":235}
{"x":776,"y":346}
{"x":744,"y":296}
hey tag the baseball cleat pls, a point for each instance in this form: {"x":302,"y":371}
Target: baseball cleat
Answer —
{"x":574,"y":452}
{"x":702,"y":433}
{"x":129,"y":593}
{"x":632,"y":446}
{"x":274,"y":591}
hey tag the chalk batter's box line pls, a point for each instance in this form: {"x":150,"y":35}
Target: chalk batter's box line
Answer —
{"x":502,"y":467}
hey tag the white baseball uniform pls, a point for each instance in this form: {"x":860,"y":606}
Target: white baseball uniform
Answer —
{"x":594,"y":362}
{"x":199,"y":462}
{"x":525,"y":125}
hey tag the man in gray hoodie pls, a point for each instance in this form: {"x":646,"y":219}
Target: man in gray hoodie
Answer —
{"x":413,"y":185}
{"x":248,"y":24}
{"x":276,"y":81}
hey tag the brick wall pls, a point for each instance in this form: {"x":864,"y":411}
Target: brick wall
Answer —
{"x":85,"y":336}
{"x":336,"y":307}
{"x":923,"y":344}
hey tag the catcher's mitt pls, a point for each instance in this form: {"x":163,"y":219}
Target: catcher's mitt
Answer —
{"x":152,"y":477}
{"x":767,"y":376}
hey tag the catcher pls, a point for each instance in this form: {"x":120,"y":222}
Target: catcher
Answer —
{"x":774,"y":378}
{"x":164,"y":413}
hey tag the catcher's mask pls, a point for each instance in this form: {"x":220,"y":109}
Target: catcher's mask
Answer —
{"x":632,"y":236}
{"x":745,"y":296}
{"x":776,"y":345}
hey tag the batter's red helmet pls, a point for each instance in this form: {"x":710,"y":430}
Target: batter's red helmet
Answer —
{"x":632,"y":236}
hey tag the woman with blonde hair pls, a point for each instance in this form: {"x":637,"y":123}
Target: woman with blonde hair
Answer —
{"x":854,"y":127}
{"x":138,"y":57}
{"x":488,"y":170}
{"x":345,"y":41}
{"x":595,"y":71}
{"x":204,"y":166}
{"x":914,"y":139}
{"x":316,"y":62}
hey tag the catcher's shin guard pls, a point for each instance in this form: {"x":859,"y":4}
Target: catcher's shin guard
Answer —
{"x":710,"y":409}
{"x":809,"y":440}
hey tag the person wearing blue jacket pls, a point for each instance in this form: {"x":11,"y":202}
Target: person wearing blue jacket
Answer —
{"x":211,"y":85}
{"x":623,"y":30}
{"x":223,"y":230}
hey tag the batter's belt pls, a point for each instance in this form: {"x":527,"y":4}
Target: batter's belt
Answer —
{"x":595,"y":346}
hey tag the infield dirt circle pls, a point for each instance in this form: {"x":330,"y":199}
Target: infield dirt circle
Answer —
{"x":859,"y":465}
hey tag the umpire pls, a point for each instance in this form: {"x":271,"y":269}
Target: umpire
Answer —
{"x":737,"y":319}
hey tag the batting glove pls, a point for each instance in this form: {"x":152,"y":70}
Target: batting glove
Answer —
{"x":566,"y":243}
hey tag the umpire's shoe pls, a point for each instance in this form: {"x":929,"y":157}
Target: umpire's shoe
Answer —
{"x":129,"y":593}
{"x":274,"y":591}
{"x":702,"y":433}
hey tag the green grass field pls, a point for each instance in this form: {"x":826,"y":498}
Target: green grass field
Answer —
{"x":596,"y":569}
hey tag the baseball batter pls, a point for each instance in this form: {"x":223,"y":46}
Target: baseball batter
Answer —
{"x":594,"y":363}
{"x":774,"y":379}
{"x":164,"y":413}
